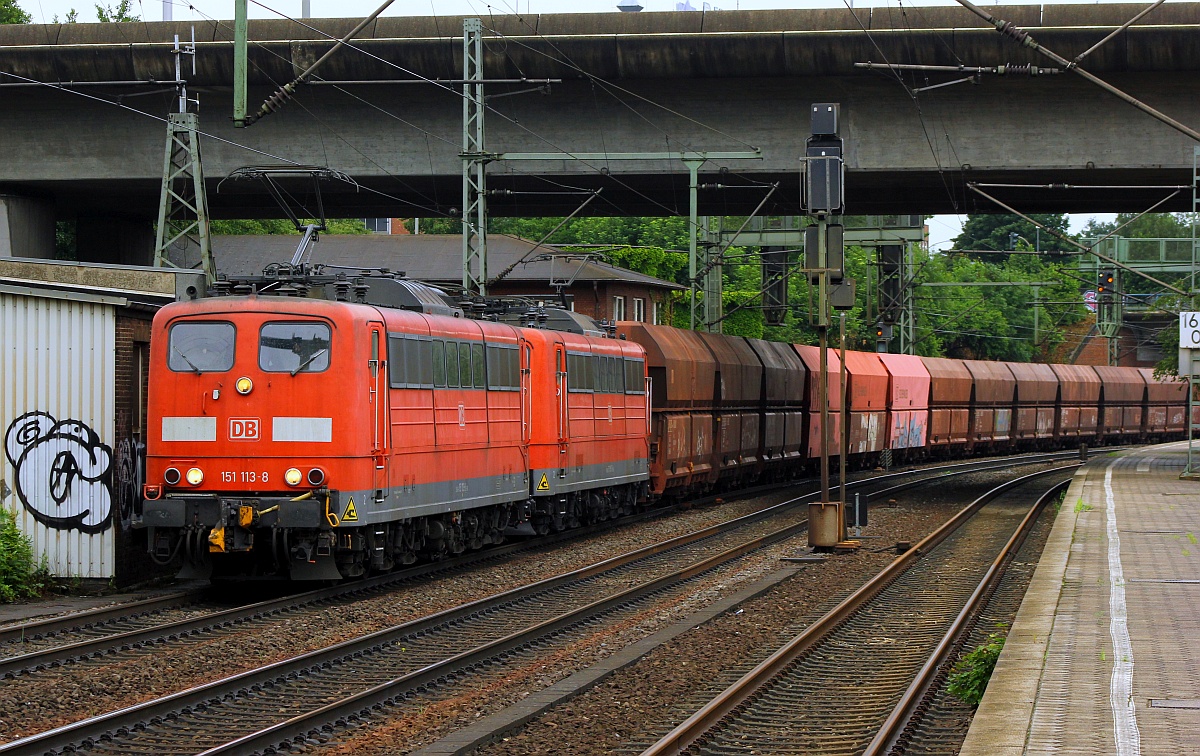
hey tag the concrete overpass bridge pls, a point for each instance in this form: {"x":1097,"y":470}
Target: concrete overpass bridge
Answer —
{"x":645,"y":82}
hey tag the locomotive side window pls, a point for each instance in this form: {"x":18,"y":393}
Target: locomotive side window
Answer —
{"x":503,"y":368}
{"x":452,"y":364}
{"x":478,"y":372}
{"x":424,"y":362}
{"x":635,"y":377}
{"x":601,"y":363}
{"x":410,"y":360}
{"x":464,"y":365}
{"x":201,"y":347}
{"x":580,"y":372}
{"x":397,"y":362}
{"x":614,"y":378}
{"x":294,"y":348}
{"x":439,"y":363}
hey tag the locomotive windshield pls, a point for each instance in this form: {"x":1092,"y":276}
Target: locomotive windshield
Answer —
{"x":294,"y":347}
{"x":201,"y":347}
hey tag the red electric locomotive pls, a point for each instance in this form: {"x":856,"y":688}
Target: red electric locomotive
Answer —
{"x":312,"y":439}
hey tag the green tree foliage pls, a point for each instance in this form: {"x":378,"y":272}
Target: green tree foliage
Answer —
{"x":271,"y":226}
{"x":1154,"y":226}
{"x":11,"y":13}
{"x":994,"y":232}
{"x":107,"y":14}
{"x":957,"y":321}
{"x":1148,"y":226}
{"x":994,"y":322}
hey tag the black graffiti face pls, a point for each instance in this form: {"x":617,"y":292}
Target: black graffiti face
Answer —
{"x":61,"y":471}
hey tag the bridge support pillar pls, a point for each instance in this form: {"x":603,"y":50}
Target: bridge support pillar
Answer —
{"x":26,"y":227}
{"x":114,"y":240}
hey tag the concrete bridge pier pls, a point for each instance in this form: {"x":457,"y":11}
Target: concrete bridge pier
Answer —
{"x":26,"y":227}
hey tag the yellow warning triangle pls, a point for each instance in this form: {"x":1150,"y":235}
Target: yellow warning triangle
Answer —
{"x":544,"y":483}
{"x":351,"y":514}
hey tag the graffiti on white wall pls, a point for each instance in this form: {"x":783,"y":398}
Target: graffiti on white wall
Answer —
{"x":130,"y":473}
{"x":62,"y":472}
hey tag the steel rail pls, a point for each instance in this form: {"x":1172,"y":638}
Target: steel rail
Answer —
{"x":905,"y":709}
{"x":93,"y":617}
{"x":104,"y":725}
{"x":360,"y":703}
{"x":711,"y":714}
{"x":99,"y":646}
{"x":97,"y":727}
{"x":102,"y":645}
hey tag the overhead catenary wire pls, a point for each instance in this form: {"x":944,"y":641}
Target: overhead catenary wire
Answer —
{"x":488,"y":107}
{"x":1090,"y":250}
{"x":1022,"y":37}
{"x":284,"y":93}
{"x":916,"y":103}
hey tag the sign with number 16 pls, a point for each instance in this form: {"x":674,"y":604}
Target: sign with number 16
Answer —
{"x":1189,"y":330}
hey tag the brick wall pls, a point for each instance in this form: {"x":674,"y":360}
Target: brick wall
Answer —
{"x":133,"y":564}
{"x":595,"y":298}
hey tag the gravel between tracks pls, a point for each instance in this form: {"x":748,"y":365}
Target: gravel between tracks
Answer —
{"x":638,"y":704}
{"x":34,"y":703}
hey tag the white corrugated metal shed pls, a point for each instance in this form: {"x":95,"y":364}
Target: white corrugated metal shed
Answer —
{"x":57,"y":384}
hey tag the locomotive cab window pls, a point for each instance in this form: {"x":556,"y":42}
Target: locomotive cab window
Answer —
{"x":201,"y":347}
{"x":294,"y":348}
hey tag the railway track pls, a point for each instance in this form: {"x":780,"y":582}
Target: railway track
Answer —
{"x":45,"y":644}
{"x":928,"y":720}
{"x":291,"y":699}
{"x":850,"y":681}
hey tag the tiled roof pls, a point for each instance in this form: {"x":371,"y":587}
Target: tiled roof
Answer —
{"x":436,"y":258}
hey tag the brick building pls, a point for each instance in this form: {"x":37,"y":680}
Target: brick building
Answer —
{"x":590,"y":286}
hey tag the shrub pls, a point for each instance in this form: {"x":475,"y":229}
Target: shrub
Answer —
{"x":20,"y":577}
{"x":972,"y":672}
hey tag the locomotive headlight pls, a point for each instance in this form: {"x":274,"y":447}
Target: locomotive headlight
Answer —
{"x":316,"y":476}
{"x":172,"y":476}
{"x":243,"y":385}
{"x":195,"y":476}
{"x":292,"y":477}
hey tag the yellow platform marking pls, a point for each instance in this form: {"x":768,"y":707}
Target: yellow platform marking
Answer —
{"x":544,"y":483}
{"x":351,"y":514}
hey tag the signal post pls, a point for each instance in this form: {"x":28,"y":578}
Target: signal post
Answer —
{"x":822,"y":190}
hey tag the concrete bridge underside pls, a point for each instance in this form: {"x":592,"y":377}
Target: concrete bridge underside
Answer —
{"x":746,"y":81}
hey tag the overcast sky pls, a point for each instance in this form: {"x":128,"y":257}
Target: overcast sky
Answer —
{"x":942,"y":228}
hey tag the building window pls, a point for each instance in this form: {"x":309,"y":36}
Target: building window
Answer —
{"x":618,"y":308}
{"x":639,"y":310}
{"x":378,"y":225}
{"x":657,"y":316}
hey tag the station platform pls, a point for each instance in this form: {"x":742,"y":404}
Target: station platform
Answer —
{"x":1104,"y":655}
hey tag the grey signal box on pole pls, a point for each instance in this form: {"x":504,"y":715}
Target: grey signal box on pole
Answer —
{"x":825,"y":118}
{"x":825,"y":173}
{"x":835,"y":258}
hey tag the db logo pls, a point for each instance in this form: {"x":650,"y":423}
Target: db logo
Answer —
{"x":243,"y":428}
